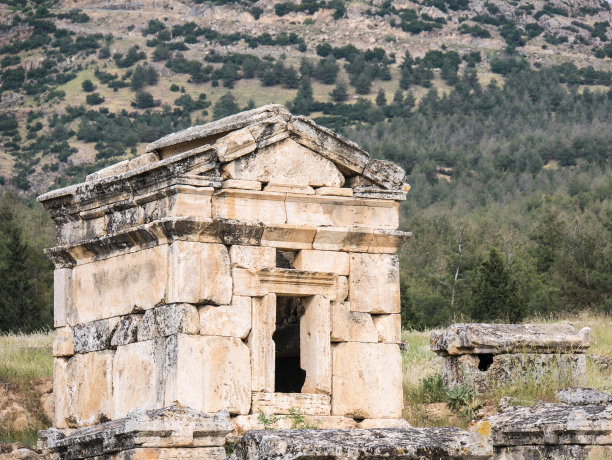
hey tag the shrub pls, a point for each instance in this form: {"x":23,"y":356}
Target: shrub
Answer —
{"x":88,"y":86}
{"x":94,"y":99}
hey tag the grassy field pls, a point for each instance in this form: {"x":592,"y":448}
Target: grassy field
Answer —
{"x":26,"y":361}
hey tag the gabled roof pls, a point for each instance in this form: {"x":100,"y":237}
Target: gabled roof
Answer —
{"x":205,"y":150}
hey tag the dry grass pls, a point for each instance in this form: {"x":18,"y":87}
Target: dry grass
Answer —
{"x":26,"y":357}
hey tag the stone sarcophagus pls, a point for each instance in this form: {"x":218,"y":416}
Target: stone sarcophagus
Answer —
{"x":485,"y":356}
{"x":243,"y":265}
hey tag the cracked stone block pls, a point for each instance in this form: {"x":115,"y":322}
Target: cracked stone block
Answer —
{"x":322,"y":261}
{"x":261,"y":344}
{"x":351,"y":326}
{"x":485,"y":372}
{"x":286,"y":162}
{"x":389,"y":328}
{"x":227,"y":320}
{"x":169,"y":320}
{"x":126,"y":330}
{"x":94,"y":336}
{"x":374,"y":283}
{"x":62,"y":296}
{"x":252,"y":257}
{"x":167,"y":433}
{"x":477,"y":338}
{"x":83,"y":387}
{"x":315,"y":353}
{"x":199,"y":274}
{"x":113,"y":287}
{"x":63,"y":345}
{"x":375,"y":393}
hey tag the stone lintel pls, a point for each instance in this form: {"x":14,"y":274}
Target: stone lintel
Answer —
{"x":284,"y":282}
{"x":171,"y":427}
{"x":229,"y":232}
{"x":476,"y":338}
{"x":283,"y":403}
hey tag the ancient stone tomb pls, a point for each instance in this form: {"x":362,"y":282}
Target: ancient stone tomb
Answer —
{"x":246,"y":264}
{"x":484,"y":356}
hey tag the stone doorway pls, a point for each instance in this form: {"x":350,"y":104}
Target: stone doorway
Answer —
{"x":289,"y":377}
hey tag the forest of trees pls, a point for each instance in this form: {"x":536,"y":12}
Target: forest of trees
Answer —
{"x":511,"y":200}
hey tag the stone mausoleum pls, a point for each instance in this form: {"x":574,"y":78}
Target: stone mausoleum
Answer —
{"x":243,"y":265}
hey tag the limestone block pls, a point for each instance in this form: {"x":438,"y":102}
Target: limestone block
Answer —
{"x":510,"y":338}
{"x":343,"y":239}
{"x":235,"y":144}
{"x":208,"y":374}
{"x":288,"y":236}
{"x":246,"y":282}
{"x":126,"y":330}
{"x":227,"y":320}
{"x":60,"y":392}
{"x":138,"y":376}
{"x":94,"y":336}
{"x":342,"y":291}
{"x":370,"y":423}
{"x":89,"y":389}
{"x":114,"y":286}
{"x":160,"y":432}
{"x":117,"y":221}
{"x":171,"y":453}
{"x":168,"y":320}
{"x":388,"y":241}
{"x":286,"y":162}
{"x":245,"y":423}
{"x":374,"y":283}
{"x":261,"y":344}
{"x":485,"y":372}
{"x":289,"y":282}
{"x":63,"y":345}
{"x":241,"y":184}
{"x":178,"y":201}
{"x":389,"y":328}
{"x":334,"y":191}
{"x":295,"y":189}
{"x":284,"y":403}
{"x":268,"y":207}
{"x":199,"y":273}
{"x":252,"y":257}
{"x":322,"y":210}
{"x":315,"y":350}
{"x":226,"y":375}
{"x":322,"y":261}
{"x":350,"y":326}
{"x":376,"y":444}
{"x":367,"y":380}
{"x":583,"y":396}
{"x":62,"y":296}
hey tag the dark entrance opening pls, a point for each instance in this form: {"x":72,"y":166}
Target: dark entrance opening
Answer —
{"x":484,"y":361}
{"x":288,"y":376}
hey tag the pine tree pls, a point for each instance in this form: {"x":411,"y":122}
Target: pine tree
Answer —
{"x":340,"y":92}
{"x":495,"y":294}
{"x":18,"y":310}
{"x":381,"y":99}
{"x":302,"y":104}
{"x":225,"y":106}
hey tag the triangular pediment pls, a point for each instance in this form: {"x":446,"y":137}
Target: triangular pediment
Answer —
{"x":270,"y":145}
